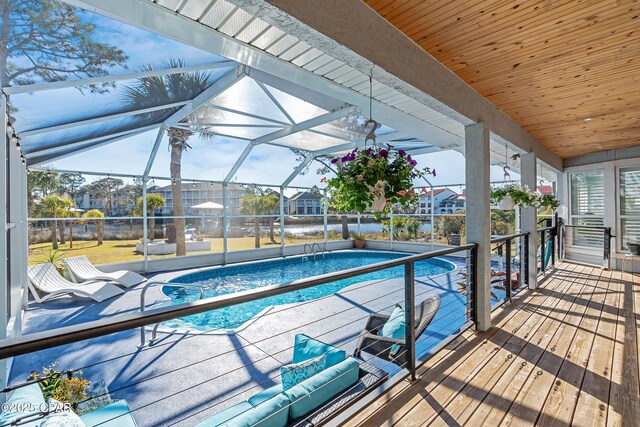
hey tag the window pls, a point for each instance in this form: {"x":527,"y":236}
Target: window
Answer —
{"x":587,"y":208}
{"x":629,"y":180}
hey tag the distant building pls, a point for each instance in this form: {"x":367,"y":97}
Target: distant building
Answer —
{"x":200,"y":192}
{"x":453,"y":204}
{"x":305,"y":203}
{"x":439,"y":195}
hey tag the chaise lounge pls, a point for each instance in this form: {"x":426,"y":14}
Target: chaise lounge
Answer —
{"x":46,"y":279}
{"x":80,"y":269}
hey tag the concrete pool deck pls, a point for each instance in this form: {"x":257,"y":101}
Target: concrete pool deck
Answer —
{"x":185,"y":378}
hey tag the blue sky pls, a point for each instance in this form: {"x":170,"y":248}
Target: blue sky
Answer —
{"x":207,"y":160}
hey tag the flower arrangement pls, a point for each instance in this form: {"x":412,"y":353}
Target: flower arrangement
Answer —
{"x":374,"y":179}
{"x":60,"y":385}
{"x":523,"y":197}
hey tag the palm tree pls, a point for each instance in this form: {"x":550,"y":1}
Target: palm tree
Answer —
{"x":154,"y":202}
{"x":55,"y":206}
{"x":162,"y":90}
{"x":256,"y":205}
{"x":95,"y":216}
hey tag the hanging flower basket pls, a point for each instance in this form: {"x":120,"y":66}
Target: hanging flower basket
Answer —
{"x":519,"y":195}
{"x":373,"y":179}
{"x":507,"y":204}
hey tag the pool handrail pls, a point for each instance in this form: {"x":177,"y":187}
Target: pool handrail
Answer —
{"x":143,"y":305}
{"x":97,"y":328}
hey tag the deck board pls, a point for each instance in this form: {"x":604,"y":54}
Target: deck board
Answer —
{"x":564,"y":354}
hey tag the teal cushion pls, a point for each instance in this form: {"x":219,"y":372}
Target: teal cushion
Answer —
{"x":395,"y":328}
{"x":305,"y":348}
{"x":226,"y":415}
{"x":115,"y":414}
{"x":267,"y":394}
{"x":21,"y":402}
{"x":322,"y":387}
{"x":270,"y":413}
{"x":297,"y":372}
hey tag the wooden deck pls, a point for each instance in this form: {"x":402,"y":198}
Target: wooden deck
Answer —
{"x":565,"y":354}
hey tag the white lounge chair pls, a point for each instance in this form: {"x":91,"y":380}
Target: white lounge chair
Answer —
{"x":80,"y":269}
{"x":45,"y":278}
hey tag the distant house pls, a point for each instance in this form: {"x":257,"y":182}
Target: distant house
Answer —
{"x":439,"y":195}
{"x":305,"y":203}
{"x":453,"y":204}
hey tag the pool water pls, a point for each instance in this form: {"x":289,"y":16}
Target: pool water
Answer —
{"x":231,"y":279}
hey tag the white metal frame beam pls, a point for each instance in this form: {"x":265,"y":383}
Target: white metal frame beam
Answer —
{"x":42,"y":158}
{"x":380,"y":139}
{"x":299,"y":127}
{"x":99,"y":119}
{"x":307,"y":160}
{"x":38,"y":87}
{"x":222,"y":84}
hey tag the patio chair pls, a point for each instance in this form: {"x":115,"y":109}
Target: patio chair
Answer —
{"x":372,"y":343}
{"x":453,"y":240}
{"x":80,"y":269}
{"x":45,"y":278}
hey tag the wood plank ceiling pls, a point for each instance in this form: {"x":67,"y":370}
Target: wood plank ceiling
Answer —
{"x":567,"y":71}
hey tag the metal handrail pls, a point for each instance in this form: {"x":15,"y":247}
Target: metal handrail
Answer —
{"x":509,"y":237}
{"x":143,"y":339}
{"x":70,"y":334}
{"x":313,"y":248}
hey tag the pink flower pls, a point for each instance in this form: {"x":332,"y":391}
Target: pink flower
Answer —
{"x":360,"y":177}
{"x":402,"y":192}
{"x":324,"y":179}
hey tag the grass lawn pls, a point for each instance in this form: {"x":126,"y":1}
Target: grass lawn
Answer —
{"x":125,"y":250}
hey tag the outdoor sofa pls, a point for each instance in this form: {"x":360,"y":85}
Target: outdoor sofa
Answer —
{"x":310,"y":402}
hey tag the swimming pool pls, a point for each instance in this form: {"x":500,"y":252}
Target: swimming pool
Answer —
{"x":231,"y":279}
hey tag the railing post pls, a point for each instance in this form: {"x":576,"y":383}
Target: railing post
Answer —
{"x":474,"y":283}
{"x":410,"y":318}
{"x":542,"y":250}
{"x":607,"y":247}
{"x":507,"y":283}
{"x":553,"y":247}
{"x":526,"y":258}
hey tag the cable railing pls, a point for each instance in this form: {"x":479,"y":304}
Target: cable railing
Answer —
{"x":512,"y":250}
{"x":606,"y":233}
{"x":409,"y":284}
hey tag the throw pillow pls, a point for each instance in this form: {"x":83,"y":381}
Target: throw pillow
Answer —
{"x":394,"y":328}
{"x":295,"y":373}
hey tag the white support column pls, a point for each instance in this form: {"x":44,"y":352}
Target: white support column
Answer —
{"x":16,"y":247}
{"x":528,"y":166}
{"x":478,"y":212}
{"x":225,"y":222}
{"x":325,"y":212}
{"x":4,"y":282}
{"x":145,"y":231}
{"x":282,"y":220}
{"x":24,"y":237}
{"x":391,"y":227}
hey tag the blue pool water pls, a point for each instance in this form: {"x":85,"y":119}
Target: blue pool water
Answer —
{"x":227,"y":280}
